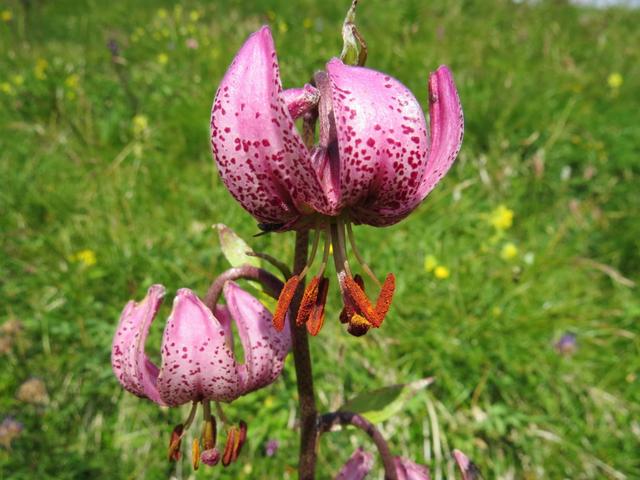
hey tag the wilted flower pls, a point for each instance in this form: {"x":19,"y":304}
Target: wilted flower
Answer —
{"x":33,"y":391}
{"x":9,"y":430}
{"x":198,"y":362}
{"x":374,"y":162}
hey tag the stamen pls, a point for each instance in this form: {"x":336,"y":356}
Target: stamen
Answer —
{"x":209,"y":429}
{"x":195,"y":454}
{"x":241,"y":439}
{"x":354,"y":249}
{"x":308,"y":301}
{"x":348,"y":311}
{"x":316,"y":317}
{"x":358,"y":296}
{"x":227,"y":456}
{"x":339,"y":251}
{"x":384,"y":298}
{"x":284,"y":301}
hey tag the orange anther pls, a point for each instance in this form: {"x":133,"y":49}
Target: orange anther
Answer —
{"x":227,"y":456}
{"x":356,"y":293}
{"x":384,"y":299}
{"x":284,"y":300}
{"x":316,"y":317}
{"x":195,"y":454}
{"x":175,"y":441}
{"x":308,"y":301}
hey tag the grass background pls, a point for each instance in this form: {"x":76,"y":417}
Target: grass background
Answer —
{"x":113,"y":158}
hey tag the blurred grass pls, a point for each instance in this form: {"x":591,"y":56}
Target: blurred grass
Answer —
{"x":113,"y":158}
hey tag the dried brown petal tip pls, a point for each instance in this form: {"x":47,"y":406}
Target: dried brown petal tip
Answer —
{"x":284,"y":300}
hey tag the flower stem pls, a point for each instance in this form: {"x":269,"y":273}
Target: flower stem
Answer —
{"x":270,"y":283}
{"x":328,"y":420}
{"x":304,"y":375}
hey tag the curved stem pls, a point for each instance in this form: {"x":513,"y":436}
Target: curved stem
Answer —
{"x":304,"y":375}
{"x":271,"y":284}
{"x":327,"y":421}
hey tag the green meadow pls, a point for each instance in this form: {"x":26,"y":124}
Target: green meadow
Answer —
{"x":107,"y":185}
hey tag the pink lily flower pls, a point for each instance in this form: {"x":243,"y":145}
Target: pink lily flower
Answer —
{"x":374,"y":162}
{"x":198,"y":361}
{"x":360,"y":463}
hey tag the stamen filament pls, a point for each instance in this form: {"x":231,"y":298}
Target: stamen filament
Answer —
{"x":192,"y":415}
{"x":354,"y":249}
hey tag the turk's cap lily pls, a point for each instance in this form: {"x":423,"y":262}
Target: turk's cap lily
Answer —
{"x":361,"y":462}
{"x":375,"y":160}
{"x":198,"y":361}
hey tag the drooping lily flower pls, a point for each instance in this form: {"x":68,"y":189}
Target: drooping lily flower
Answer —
{"x":360,"y":463}
{"x":198,"y":361}
{"x":373,"y":164}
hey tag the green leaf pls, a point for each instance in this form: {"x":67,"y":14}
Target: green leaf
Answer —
{"x":235,"y":248}
{"x":380,"y":404}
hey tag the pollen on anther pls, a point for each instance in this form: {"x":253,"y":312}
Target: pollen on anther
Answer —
{"x":284,"y":300}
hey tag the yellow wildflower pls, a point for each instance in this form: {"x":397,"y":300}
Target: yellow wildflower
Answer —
{"x":441,"y":272}
{"x":501,"y":218}
{"x":17,"y":80}
{"x":307,"y":23}
{"x":72,"y":81}
{"x":509,"y":251}
{"x":163,"y":59}
{"x":40,"y":70}
{"x":430,"y":263}
{"x":282,"y":26}
{"x":194,"y":16}
{"x":162,"y":13}
{"x":6,"y":88}
{"x":140,"y":125}
{"x":615,"y":81}
{"x":496,"y":311}
{"x":87,"y":257}
{"x":7,"y":15}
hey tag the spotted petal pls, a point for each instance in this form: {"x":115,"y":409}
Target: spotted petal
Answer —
{"x":132,"y":367}
{"x":264,"y":347}
{"x":408,"y":470}
{"x":382,"y":138}
{"x":259,"y":153}
{"x":197,"y":361}
{"x":446,"y":128}
{"x":357,"y":467}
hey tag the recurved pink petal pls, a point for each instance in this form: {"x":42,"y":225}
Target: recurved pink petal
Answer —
{"x":357,"y":467}
{"x":382,"y":138}
{"x":259,"y":153}
{"x":197,"y":362}
{"x":446,"y":128}
{"x":134,"y":370}
{"x":264,"y":347}
{"x":409,"y":470}
{"x":467,"y":468}
{"x":300,"y":100}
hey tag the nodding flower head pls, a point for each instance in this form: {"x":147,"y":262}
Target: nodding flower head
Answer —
{"x":198,"y":361}
{"x":374,"y":162}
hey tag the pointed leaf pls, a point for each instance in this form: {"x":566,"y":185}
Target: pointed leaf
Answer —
{"x":381,"y":404}
{"x":235,"y":248}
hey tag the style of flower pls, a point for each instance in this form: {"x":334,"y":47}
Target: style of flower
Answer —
{"x":374,"y":162}
{"x":198,"y":362}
